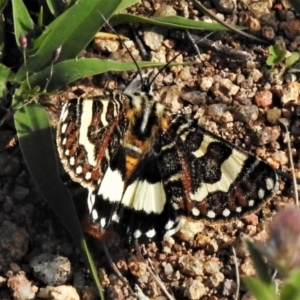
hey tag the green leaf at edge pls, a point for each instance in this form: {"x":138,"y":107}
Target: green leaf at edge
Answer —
{"x":23,"y":23}
{"x":35,"y":140}
{"x":260,"y":266}
{"x":259,"y":289}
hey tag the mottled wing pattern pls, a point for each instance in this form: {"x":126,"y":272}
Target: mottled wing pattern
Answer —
{"x":142,"y":211}
{"x":89,"y":132}
{"x":208,"y":178}
{"x":145,"y":168}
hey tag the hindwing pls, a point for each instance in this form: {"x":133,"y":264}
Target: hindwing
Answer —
{"x":139,"y":210}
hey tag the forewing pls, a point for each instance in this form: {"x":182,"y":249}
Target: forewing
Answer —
{"x":88,"y":135}
{"x":208,"y":178}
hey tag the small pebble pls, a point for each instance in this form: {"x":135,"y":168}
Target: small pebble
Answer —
{"x":268,"y":32}
{"x":168,"y":269}
{"x":273,"y":115}
{"x":189,"y":229}
{"x":190,"y":265}
{"x":195,"y":290}
{"x":154,"y":36}
{"x":216,"y":279}
{"x":211,"y":267}
{"x":51,"y":269}
{"x":228,"y":88}
{"x":63,"y":292}
{"x":206,"y":83}
{"x":21,"y":287}
{"x":267,"y":135}
{"x":229,"y":287}
{"x":290,"y":92}
{"x":245,"y":113}
{"x":137,"y":268}
{"x":225,"y":6}
{"x":195,"y":97}
{"x":263,"y":98}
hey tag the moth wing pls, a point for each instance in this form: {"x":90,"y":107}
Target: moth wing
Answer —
{"x":88,"y":134}
{"x":208,"y":178}
{"x":142,"y":212}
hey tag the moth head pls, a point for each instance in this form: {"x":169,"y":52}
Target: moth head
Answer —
{"x":146,"y":115}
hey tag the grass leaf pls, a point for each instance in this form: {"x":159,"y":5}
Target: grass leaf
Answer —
{"x":70,"y":70}
{"x":72,"y":30}
{"x":23,"y":23}
{"x":169,"y":21}
{"x":259,"y":289}
{"x":37,"y":146}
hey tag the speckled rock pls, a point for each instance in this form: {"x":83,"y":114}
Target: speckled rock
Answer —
{"x":245,"y":113}
{"x":51,"y":269}
{"x":225,"y":6}
{"x":267,"y":135}
{"x":195,"y":97}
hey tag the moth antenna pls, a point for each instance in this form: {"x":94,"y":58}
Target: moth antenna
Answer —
{"x":145,"y":84}
{"x":169,"y":62}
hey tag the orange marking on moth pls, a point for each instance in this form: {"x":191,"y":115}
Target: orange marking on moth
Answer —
{"x":131,"y":163}
{"x":71,"y":139}
{"x":96,"y":231}
{"x":239,"y":197}
{"x":72,"y":151}
{"x":186,"y":176}
{"x":202,"y":207}
{"x":70,"y":128}
{"x":106,"y":140}
{"x":80,"y":157}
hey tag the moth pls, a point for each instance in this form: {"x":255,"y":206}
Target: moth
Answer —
{"x":147,"y":169}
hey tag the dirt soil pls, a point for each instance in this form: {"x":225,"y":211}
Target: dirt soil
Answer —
{"x":233,"y":93}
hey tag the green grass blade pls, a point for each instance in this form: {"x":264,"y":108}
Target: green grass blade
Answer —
{"x":259,"y":289}
{"x":92,"y":268}
{"x":169,"y":21}
{"x":56,"y":7}
{"x":202,"y":8}
{"x":72,"y":30}
{"x":259,"y":263}
{"x":124,"y":4}
{"x":3,"y":4}
{"x":5,"y":75}
{"x":70,"y":70}
{"x":23,"y":23}
{"x":36,"y":142}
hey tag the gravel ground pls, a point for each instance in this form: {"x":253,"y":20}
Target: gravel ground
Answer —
{"x":233,"y":94}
